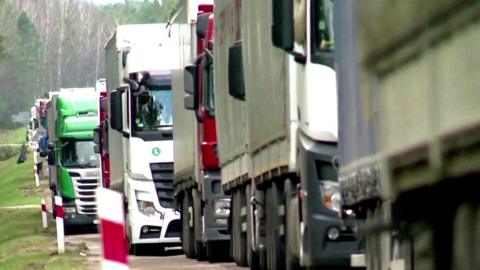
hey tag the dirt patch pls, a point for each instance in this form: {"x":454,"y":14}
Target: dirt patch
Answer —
{"x":36,"y":266}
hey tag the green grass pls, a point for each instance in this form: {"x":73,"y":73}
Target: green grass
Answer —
{"x":16,"y":136}
{"x":17,"y":183}
{"x":24,"y":244}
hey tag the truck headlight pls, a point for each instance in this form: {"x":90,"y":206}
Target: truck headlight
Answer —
{"x":145,"y":203}
{"x":222,"y":207}
{"x":331,"y":196}
{"x":70,"y":210}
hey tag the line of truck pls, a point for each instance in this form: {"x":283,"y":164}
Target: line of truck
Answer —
{"x":267,"y":111}
{"x":288,"y":134}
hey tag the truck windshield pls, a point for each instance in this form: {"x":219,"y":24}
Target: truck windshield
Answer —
{"x":154,"y":111}
{"x":79,"y":154}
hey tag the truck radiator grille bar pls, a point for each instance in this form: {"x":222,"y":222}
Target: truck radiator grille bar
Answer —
{"x":85,"y":195}
{"x":162,"y":174}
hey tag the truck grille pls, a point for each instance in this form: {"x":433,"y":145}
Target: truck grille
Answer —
{"x":85,"y":195}
{"x":162,"y":174}
{"x":174,"y":228}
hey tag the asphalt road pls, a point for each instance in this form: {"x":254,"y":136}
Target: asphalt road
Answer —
{"x":170,"y":259}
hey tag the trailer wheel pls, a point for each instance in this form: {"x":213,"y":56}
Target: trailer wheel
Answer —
{"x":242,"y":224}
{"x":275,"y":245}
{"x":188,"y":237}
{"x":466,"y":237}
{"x":238,"y":237}
{"x":252,"y":256}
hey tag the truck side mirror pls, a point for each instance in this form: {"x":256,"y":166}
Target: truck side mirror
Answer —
{"x":116,"y":117}
{"x":133,"y":84}
{"x":189,"y":102}
{"x":283,"y":24}
{"x":236,"y":86}
{"x":51,"y":158}
{"x":96,"y":135}
{"x":189,"y":76}
{"x":202,"y":25}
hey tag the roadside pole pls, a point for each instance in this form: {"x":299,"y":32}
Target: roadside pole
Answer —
{"x":37,"y":179}
{"x":44,"y":215}
{"x":112,"y":229}
{"x":59,"y":216}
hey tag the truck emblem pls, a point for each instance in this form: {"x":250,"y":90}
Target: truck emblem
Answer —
{"x":156,"y":151}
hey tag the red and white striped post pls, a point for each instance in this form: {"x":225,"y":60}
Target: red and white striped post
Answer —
{"x":59,"y":216}
{"x":112,"y":228}
{"x":35,"y":173}
{"x":44,"y":215}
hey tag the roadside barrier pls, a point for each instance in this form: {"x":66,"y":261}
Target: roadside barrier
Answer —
{"x":112,"y":229}
{"x":44,"y":215}
{"x":59,"y":216}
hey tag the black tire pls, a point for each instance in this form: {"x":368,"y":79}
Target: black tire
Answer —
{"x":217,"y":251}
{"x":238,"y":238}
{"x":200,"y":249}
{"x":188,"y":237}
{"x":252,"y":257}
{"x":465,"y":236}
{"x":233,"y":227}
{"x":275,"y":245}
{"x":242,"y":234}
{"x":291,"y":261}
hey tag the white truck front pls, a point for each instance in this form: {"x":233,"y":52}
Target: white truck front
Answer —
{"x":139,"y":63}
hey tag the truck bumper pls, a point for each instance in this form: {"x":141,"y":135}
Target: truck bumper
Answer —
{"x":76,"y":219}
{"x":163,"y":227}
{"x":317,"y":248}
{"x":216,"y":226}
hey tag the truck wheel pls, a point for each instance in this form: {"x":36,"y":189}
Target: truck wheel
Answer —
{"x":275,"y":248}
{"x":239,"y":241}
{"x":188,"y":237}
{"x":233,"y":227}
{"x":465,"y":237}
{"x":242,"y":225}
{"x":252,"y":257}
{"x":291,"y":228}
{"x":372,"y":249}
{"x":200,"y":250}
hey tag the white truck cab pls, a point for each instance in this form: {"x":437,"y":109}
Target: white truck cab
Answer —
{"x":139,"y":63}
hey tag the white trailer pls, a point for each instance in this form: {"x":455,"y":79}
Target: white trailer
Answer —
{"x":277,"y":130}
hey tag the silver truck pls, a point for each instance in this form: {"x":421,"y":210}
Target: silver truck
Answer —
{"x":409,"y":116}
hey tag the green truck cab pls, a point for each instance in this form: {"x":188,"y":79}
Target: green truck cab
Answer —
{"x":78,"y":170}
